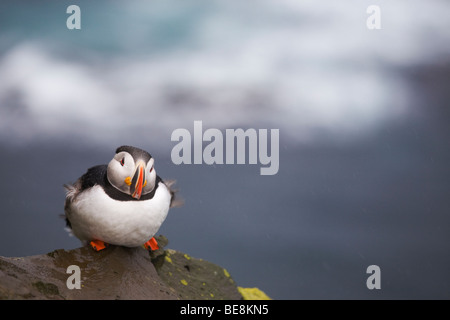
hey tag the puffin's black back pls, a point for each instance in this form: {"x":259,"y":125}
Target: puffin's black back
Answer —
{"x":93,"y":176}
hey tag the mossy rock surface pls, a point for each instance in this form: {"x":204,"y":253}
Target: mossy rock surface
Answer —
{"x":193,"y":278}
{"x":115,"y":273}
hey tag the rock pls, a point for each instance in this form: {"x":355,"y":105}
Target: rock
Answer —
{"x":193,"y":278}
{"x":115,"y":273}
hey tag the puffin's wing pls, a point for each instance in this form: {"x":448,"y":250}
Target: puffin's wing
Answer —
{"x":93,"y":176}
{"x":72,"y":190}
{"x":175,"y":200}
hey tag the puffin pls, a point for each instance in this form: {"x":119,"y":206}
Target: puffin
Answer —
{"x":123,"y":203}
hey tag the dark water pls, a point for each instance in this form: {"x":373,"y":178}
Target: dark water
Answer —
{"x":364,"y":150}
{"x":308,"y":232}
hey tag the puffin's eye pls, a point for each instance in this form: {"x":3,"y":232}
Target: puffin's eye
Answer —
{"x":122,"y":162}
{"x":151,"y":169}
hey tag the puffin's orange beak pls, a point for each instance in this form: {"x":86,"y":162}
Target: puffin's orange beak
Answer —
{"x":138,"y":181}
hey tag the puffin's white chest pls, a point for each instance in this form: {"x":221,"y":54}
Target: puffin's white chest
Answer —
{"x":95,"y":216}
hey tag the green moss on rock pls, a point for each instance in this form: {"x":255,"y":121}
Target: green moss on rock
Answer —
{"x":193,"y":278}
{"x":46,"y":288}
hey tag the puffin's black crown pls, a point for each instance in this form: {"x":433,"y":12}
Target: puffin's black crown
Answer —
{"x":136,"y":153}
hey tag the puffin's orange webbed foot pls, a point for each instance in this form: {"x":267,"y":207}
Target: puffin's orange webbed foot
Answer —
{"x":98,"y":245}
{"x":151,"y":244}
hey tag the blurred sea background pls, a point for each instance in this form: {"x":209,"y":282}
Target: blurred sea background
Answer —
{"x":363,"y":117}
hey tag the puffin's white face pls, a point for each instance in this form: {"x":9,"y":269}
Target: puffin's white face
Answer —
{"x":135,"y":178}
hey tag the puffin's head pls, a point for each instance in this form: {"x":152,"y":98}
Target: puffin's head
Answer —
{"x":131,"y":171}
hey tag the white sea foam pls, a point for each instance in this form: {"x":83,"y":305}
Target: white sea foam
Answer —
{"x":309,"y":68}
